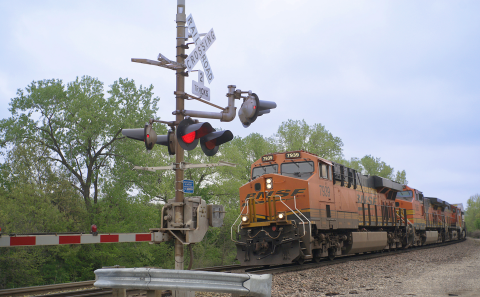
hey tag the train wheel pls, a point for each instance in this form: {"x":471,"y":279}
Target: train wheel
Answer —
{"x":317,"y":256}
{"x":331,"y":254}
{"x":300,"y":260}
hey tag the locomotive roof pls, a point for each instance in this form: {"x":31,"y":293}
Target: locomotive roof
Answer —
{"x":436,"y":201}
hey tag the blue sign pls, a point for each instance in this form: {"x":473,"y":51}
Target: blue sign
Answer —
{"x":188,"y":186}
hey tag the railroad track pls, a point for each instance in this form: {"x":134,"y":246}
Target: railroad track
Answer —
{"x":343,"y":259}
{"x":69,"y":290}
{"x":38,"y":290}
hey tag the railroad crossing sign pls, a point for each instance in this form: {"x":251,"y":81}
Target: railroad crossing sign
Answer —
{"x":199,"y":89}
{"x":201,"y":46}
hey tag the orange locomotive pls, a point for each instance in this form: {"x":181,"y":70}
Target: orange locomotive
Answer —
{"x":430,"y":219}
{"x":299,"y":206}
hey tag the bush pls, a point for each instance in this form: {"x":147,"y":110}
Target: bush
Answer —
{"x":474,"y":234}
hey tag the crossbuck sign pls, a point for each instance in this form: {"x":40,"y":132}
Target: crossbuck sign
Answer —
{"x":201,"y":46}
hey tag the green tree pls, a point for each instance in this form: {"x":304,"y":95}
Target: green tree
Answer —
{"x":295,"y":135}
{"x":374,"y":166}
{"x":77,"y":125}
{"x":401,"y":177}
{"x":354,"y":163}
{"x":472,"y":213}
{"x":37,"y":200}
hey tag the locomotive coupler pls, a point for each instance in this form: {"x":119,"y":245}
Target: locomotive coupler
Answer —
{"x":261,"y":247}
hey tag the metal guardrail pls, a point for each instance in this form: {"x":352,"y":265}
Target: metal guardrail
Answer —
{"x":184,"y":280}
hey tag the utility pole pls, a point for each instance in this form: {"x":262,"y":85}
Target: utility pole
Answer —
{"x":179,"y":152}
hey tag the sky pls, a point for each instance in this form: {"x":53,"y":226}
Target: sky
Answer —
{"x":399,"y":80}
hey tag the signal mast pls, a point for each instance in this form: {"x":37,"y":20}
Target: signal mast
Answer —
{"x":185,"y":132}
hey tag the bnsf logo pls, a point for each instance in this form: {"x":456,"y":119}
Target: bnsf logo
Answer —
{"x":281,"y":193}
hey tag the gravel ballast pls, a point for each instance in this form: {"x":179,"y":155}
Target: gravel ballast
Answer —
{"x":452,"y":270}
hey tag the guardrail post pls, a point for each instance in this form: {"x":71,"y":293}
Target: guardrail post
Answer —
{"x":119,"y":292}
{"x":154,"y":293}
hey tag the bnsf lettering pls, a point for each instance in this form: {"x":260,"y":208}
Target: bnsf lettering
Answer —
{"x":261,"y":195}
{"x":281,"y":193}
{"x":366,"y":199}
{"x":298,"y":191}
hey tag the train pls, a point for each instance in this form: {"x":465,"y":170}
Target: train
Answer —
{"x":298,"y":206}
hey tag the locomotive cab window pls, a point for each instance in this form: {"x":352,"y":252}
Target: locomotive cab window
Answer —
{"x":324,"y":171}
{"x":301,"y":170}
{"x":259,"y":171}
{"x":405,"y":195}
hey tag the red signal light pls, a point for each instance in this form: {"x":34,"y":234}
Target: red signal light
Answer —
{"x":210,"y":144}
{"x":94,"y":228}
{"x":148,"y":135}
{"x":189,"y":138}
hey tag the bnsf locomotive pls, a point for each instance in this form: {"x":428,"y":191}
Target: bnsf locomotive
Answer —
{"x":299,"y":206}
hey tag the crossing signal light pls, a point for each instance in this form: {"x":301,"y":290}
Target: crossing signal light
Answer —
{"x":212,"y":141}
{"x":189,"y":132}
{"x":252,"y":108}
{"x":150,"y":137}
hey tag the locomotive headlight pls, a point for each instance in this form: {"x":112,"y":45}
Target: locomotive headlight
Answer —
{"x":244,"y":219}
{"x":281,"y":216}
{"x":269,"y":182}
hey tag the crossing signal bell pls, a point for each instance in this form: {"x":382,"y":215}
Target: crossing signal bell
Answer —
{"x":252,"y":108}
{"x":150,"y":137}
{"x":189,"y":133}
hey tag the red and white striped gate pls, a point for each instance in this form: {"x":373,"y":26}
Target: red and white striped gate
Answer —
{"x":59,"y":239}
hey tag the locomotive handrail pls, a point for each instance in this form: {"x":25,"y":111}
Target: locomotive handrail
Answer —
{"x":309,"y":223}
{"x":398,"y":214}
{"x":231,"y":228}
{"x":304,"y":231}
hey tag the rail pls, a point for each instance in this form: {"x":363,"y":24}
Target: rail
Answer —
{"x":42,"y":289}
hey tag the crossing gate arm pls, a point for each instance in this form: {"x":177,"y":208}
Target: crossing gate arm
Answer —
{"x":14,"y":240}
{"x":184,"y":280}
